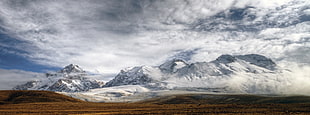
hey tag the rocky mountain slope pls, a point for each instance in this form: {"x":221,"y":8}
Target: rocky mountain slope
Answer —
{"x":69,"y":79}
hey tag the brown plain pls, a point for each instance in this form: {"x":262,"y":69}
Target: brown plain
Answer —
{"x":50,"y":103}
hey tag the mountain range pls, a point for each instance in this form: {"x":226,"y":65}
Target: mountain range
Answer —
{"x":252,"y":73}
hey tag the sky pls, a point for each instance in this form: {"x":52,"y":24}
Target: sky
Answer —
{"x":105,"y":36}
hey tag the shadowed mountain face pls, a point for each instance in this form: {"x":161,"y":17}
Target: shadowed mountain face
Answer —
{"x":15,"y":97}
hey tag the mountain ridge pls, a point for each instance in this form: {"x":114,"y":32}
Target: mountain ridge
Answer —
{"x":224,"y":65}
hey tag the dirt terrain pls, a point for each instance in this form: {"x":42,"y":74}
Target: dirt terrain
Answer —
{"x":45,"y":102}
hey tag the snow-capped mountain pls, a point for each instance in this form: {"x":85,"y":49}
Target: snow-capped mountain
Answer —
{"x":250,"y":73}
{"x":136,"y":76}
{"x":72,"y":78}
{"x":177,"y":74}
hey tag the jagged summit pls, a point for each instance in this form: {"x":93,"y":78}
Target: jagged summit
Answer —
{"x":72,"y":68}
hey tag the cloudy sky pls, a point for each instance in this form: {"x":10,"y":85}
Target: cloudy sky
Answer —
{"x":105,"y":36}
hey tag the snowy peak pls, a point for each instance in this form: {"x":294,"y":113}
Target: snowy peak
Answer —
{"x":254,"y":59}
{"x":258,"y":60}
{"x":135,"y":76}
{"x":172,"y":66}
{"x":72,"y":68}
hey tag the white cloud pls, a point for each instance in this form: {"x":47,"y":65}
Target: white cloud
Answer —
{"x":108,"y":35}
{"x":298,"y":79}
{"x":12,"y":78}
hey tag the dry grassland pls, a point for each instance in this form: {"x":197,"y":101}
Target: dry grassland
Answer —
{"x":59,"y":104}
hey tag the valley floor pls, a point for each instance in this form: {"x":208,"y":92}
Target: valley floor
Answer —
{"x":86,"y":108}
